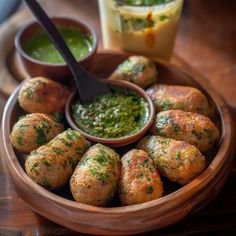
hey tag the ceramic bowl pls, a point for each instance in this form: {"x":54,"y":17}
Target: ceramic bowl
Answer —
{"x":56,"y":71}
{"x":115,"y":142}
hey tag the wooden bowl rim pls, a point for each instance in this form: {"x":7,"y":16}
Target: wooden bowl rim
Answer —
{"x":186,"y":191}
{"x":114,"y":141}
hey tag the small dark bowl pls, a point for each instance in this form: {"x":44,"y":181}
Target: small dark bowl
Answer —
{"x":57,"y":71}
{"x":115,"y":142}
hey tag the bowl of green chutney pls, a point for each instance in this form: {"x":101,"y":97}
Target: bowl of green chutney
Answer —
{"x":41,"y":58}
{"x":117,"y":118}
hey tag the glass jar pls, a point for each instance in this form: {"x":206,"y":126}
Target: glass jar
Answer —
{"x":145,"y":27}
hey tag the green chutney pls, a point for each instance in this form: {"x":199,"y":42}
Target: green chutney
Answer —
{"x":116,"y":114}
{"x":40,"y":47}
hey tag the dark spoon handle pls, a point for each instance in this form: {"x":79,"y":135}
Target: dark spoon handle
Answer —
{"x":79,"y":73}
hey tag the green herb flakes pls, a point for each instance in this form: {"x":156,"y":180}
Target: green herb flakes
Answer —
{"x":166,"y":105}
{"x":118,"y":113}
{"x":46,"y":163}
{"x":141,"y":176}
{"x":66,"y":143}
{"x":72,"y":135}
{"x":30,"y":92}
{"x":164,"y":17}
{"x":33,"y":168}
{"x":57,"y":150}
{"x":178,"y":156}
{"x":149,"y":190}
{"x":42,"y":130}
{"x":176,"y":128}
{"x":138,"y":68}
{"x":19,"y":140}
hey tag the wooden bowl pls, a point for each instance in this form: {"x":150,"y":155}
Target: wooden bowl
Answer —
{"x":178,"y":201}
{"x":115,"y":142}
{"x":56,"y":71}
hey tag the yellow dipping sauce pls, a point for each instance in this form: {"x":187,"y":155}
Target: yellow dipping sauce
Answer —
{"x":139,"y":28}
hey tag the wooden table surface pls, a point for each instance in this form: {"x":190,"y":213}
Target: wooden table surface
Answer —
{"x":206,"y":41}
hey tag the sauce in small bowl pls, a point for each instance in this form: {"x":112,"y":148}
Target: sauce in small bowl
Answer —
{"x":117,"y":118}
{"x":41,"y":48}
{"x":41,"y":58}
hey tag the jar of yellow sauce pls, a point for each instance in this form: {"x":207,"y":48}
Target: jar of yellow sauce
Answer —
{"x":145,"y":27}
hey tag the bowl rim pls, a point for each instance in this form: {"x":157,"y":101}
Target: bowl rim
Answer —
{"x":225,"y":147}
{"x":122,"y":140}
{"x":35,"y":23}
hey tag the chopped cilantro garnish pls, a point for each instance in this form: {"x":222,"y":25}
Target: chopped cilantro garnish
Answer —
{"x":41,"y":130}
{"x":141,"y":176}
{"x":149,"y":190}
{"x":46,"y":163}
{"x":176,"y":128}
{"x":101,"y":160}
{"x":33,"y":168}
{"x":178,"y":156}
{"x":22,"y":132}
{"x":138,"y":68}
{"x":66,"y":143}
{"x":72,"y":135}
{"x":57,"y":150}
{"x":166,"y":105}
{"x":102,"y":176}
{"x":30,"y":92}
{"x":19,"y":140}
{"x":41,"y":82}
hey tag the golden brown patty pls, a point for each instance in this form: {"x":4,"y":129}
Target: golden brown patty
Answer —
{"x":34,"y":130}
{"x":173,"y":97}
{"x":95,"y":178}
{"x":43,"y":95}
{"x":138,"y":70}
{"x":193,"y":128}
{"x":177,"y":160}
{"x":52,"y":165}
{"x":139,"y":181}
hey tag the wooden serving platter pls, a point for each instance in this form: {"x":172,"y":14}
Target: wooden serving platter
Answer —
{"x":178,"y":201}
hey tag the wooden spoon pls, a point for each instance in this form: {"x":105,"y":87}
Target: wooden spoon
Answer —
{"x":87,"y":84}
